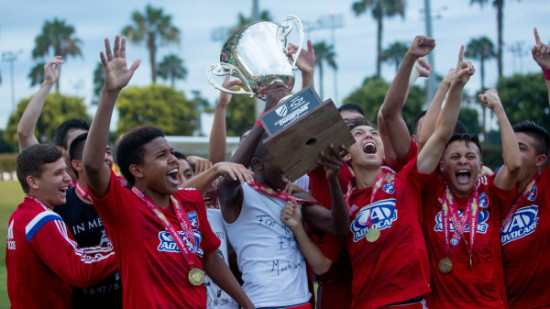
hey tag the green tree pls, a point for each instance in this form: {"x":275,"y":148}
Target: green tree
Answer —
{"x":395,"y":53}
{"x":470,"y":118}
{"x":156,"y":29}
{"x":57,"y":109}
{"x":157,"y":105}
{"x":172,"y":68}
{"x":324,"y":54}
{"x":372,"y":93}
{"x":525,"y":97}
{"x":379,"y":10}
{"x":499,"y":6}
{"x":481,"y":49}
{"x":59,"y":37}
{"x":36,"y":75}
{"x":240,"y":114}
{"x":98,"y":82}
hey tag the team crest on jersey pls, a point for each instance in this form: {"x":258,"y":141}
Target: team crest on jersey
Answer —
{"x":389,"y":187}
{"x":523,"y":223}
{"x":483,"y":201}
{"x":167,"y":243}
{"x":532,"y":194}
{"x":382,"y":214}
{"x":193,"y":218}
{"x":482,"y":225}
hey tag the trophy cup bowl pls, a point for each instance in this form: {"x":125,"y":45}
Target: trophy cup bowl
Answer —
{"x":257,"y":55}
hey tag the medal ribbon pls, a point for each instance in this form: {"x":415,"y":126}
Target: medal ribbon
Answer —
{"x":278,"y":194}
{"x":84,"y":194}
{"x":520,"y":199}
{"x":183,"y":221}
{"x":470,"y":215}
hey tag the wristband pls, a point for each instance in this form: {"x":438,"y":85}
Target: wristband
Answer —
{"x":259,"y":122}
{"x":414,"y":75}
{"x":546,"y":73}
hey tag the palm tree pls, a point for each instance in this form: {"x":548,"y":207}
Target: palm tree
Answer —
{"x":36,"y":75}
{"x":155,"y":28}
{"x":172,"y":68}
{"x":395,"y":52}
{"x":499,"y":6}
{"x":59,"y":36}
{"x":481,"y":49}
{"x":98,"y":82}
{"x":324,"y":53}
{"x":379,"y":8}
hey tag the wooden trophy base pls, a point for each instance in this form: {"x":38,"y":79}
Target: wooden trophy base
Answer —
{"x":296,"y":147}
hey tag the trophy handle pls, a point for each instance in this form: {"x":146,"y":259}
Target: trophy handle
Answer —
{"x":222,"y":69}
{"x":284,"y":29}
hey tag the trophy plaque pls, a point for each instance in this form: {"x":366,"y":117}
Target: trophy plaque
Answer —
{"x":295,"y":140}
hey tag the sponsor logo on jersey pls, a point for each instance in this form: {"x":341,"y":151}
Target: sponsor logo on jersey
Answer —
{"x":167,"y":243}
{"x":523,"y":223}
{"x":482,"y":225}
{"x":389,"y":187}
{"x":382,"y":214}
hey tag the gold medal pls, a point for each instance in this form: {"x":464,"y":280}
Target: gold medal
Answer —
{"x":445,"y":265}
{"x":196,"y":276}
{"x":373,"y":234}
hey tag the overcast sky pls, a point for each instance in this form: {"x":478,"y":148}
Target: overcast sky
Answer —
{"x":355,"y":43}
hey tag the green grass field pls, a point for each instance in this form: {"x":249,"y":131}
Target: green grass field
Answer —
{"x":11,"y":195}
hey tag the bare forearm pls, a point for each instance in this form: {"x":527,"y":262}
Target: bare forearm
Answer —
{"x":339,"y":209}
{"x":218,"y":135}
{"x":220,"y":273}
{"x":97,"y":172}
{"x":27,"y":123}
{"x":428,"y":125}
{"x":510,"y":149}
{"x":395,"y":97}
{"x":313,"y":255}
{"x":203,"y":180}
{"x":307,"y":79}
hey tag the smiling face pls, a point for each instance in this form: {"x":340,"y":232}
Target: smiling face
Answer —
{"x":159,"y":170}
{"x":51,"y":187}
{"x":461,"y":167}
{"x":185,"y":171}
{"x":368,"y":150}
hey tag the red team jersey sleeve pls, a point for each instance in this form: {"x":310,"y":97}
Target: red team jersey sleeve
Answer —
{"x":57,"y":249}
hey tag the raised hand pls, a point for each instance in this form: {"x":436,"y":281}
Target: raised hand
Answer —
{"x":465,"y":69}
{"x":234,"y":170}
{"x":228,"y":84}
{"x":333,"y":161}
{"x":117,"y":74}
{"x":491,"y":99}
{"x":51,"y":70}
{"x":423,"y":67}
{"x":450,"y":76}
{"x":306,"y":59}
{"x":421,"y":46}
{"x":541,"y":52}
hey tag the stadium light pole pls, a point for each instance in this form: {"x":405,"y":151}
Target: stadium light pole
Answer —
{"x":11,"y":57}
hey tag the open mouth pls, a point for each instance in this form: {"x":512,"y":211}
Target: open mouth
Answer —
{"x":369,"y":148}
{"x":463,"y":176}
{"x":172,"y":176}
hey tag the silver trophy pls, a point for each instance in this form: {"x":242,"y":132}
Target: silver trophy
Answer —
{"x":256,"y":54}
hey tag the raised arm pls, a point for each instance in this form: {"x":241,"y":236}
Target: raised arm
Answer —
{"x":305,"y":62}
{"x":27,"y":123}
{"x":429,"y":156}
{"x":117,"y":76}
{"x":507,"y":176}
{"x":541,"y":55}
{"x":218,"y":134}
{"x":203,"y":180}
{"x":391,"y":110}
{"x":428,"y":125}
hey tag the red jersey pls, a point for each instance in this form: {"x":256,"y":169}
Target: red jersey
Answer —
{"x":479,"y":286}
{"x":393,"y":268}
{"x":153,"y":270}
{"x":43,"y":259}
{"x":525,"y":240}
